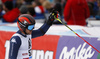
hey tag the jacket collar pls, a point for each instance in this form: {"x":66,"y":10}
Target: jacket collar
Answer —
{"x":19,"y":32}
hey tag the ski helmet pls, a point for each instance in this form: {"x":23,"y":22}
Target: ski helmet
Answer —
{"x":25,"y":21}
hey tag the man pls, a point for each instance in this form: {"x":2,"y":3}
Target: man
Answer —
{"x":20,"y":43}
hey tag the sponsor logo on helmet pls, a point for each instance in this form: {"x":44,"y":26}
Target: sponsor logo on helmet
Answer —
{"x":22,"y":24}
{"x":25,"y":22}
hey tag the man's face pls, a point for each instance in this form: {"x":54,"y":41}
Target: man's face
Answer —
{"x":28,"y":31}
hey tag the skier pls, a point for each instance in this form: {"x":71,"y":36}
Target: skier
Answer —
{"x":20,"y":43}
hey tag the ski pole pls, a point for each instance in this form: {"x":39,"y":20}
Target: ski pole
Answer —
{"x":76,"y":33}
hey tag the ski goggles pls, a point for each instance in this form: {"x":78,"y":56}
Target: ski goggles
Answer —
{"x":30,"y":27}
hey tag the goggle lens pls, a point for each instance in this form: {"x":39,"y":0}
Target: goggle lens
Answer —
{"x":30,"y":27}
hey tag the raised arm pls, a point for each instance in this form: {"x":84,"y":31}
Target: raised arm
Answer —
{"x":43,"y":29}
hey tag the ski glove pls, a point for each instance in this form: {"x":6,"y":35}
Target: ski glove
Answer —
{"x":52,"y":16}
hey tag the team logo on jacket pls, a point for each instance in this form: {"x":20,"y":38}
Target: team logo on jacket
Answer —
{"x":13,"y":40}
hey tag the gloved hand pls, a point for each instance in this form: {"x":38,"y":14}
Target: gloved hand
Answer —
{"x":52,"y":16}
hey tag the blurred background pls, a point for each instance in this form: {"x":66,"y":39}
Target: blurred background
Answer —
{"x":83,"y":16}
{"x":71,"y":12}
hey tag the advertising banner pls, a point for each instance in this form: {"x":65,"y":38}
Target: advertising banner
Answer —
{"x":4,"y":36}
{"x":45,"y":47}
{"x":72,"y":47}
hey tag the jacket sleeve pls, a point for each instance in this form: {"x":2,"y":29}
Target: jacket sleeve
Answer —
{"x":67,"y":10}
{"x":41,"y":31}
{"x":15,"y":43}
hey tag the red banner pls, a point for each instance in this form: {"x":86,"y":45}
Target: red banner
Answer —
{"x":46,"y":43}
{"x":4,"y":35}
